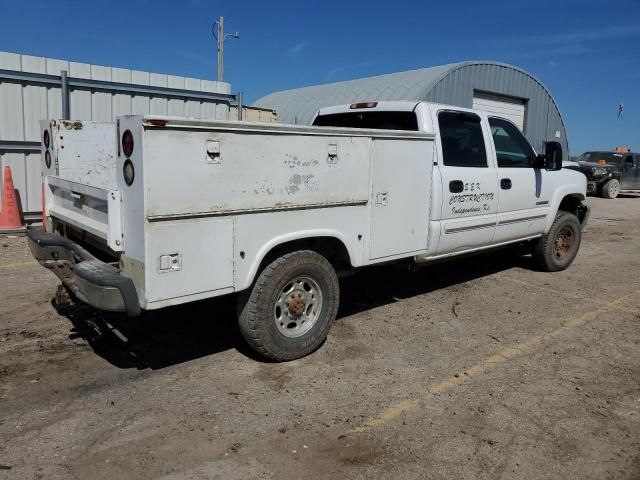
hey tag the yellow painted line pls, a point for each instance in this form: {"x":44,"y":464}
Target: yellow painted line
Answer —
{"x":488,"y":363}
{"x":19,"y":264}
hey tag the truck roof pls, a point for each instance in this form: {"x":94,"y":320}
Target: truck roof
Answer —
{"x":384,"y":106}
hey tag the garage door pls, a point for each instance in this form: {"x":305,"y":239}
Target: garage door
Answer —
{"x":505,"y":107}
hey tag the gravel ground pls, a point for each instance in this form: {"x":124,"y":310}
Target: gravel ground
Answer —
{"x":480,"y":368}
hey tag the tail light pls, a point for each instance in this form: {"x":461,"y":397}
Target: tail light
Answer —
{"x":46,"y":139}
{"x":47,"y":159}
{"x":127,"y":143}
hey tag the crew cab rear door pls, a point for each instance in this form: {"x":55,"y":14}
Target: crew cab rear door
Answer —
{"x":469,"y":181}
{"x":525,"y":192}
{"x":630,"y":169}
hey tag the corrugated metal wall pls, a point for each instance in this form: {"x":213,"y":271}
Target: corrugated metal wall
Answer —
{"x":24,"y":103}
{"x":542,"y":117}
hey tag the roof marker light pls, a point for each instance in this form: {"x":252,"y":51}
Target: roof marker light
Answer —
{"x":353,"y":106}
{"x":158,"y":123}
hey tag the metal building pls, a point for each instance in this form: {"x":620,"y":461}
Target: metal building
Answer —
{"x":35,"y":88}
{"x":494,"y":87}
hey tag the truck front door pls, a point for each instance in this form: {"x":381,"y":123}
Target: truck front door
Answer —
{"x":469,"y":182}
{"x":525,"y":192}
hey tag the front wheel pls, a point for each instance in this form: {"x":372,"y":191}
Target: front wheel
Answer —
{"x":611,"y":189}
{"x":556,"y":250}
{"x":291,"y":307}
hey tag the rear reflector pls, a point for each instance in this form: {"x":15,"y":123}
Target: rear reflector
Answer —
{"x":159,"y":123}
{"x":128,"y":172}
{"x":353,"y":106}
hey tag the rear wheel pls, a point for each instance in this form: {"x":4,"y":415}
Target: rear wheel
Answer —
{"x":291,"y":307}
{"x":557,"y":249}
{"x":611,"y":189}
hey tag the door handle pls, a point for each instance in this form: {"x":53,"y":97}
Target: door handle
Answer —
{"x":505,"y":183}
{"x":456,"y":186}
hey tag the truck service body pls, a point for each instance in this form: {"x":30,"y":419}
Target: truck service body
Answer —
{"x":275,"y":212}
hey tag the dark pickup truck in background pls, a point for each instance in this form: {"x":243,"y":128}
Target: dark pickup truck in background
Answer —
{"x":610,"y":173}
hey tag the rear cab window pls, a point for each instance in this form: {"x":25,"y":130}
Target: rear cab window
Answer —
{"x":379,"y":120}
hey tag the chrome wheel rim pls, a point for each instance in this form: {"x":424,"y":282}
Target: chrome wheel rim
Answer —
{"x":564,"y":243}
{"x":613,"y":189}
{"x":298,"y":306}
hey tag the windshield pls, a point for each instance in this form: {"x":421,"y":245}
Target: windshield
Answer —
{"x":595,"y":157}
{"x":381,"y":120}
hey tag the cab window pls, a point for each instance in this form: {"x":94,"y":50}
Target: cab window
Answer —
{"x":512,"y":149}
{"x":628,"y":163}
{"x":380,"y":120}
{"x":462,"y":141}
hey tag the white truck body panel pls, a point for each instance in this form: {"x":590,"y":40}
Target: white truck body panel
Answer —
{"x":82,"y":151}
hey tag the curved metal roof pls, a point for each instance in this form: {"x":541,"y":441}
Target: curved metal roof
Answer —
{"x":299,"y":105}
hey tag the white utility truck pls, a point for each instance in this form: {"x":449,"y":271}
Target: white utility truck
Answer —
{"x":276,"y":213}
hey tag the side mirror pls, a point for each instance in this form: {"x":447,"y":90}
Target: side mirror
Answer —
{"x":553,"y":156}
{"x":539,"y":162}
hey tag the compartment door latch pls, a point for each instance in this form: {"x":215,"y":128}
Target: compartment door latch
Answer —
{"x":214,"y":154}
{"x":332,"y":154}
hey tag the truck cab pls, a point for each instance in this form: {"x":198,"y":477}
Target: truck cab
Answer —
{"x":490,"y":187}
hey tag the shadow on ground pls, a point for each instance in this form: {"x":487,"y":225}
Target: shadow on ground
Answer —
{"x":179,"y":334}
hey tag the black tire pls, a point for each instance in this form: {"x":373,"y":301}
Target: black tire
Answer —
{"x":611,"y":189}
{"x":551,"y":252}
{"x":258,"y":311}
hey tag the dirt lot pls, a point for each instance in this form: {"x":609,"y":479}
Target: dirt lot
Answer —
{"x":482,"y":368}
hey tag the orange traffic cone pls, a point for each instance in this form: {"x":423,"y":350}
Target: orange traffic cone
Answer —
{"x":10,"y":214}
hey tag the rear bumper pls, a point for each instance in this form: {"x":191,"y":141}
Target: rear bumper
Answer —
{"x":91,"y":280}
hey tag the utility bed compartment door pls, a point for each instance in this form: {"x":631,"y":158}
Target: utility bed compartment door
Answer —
{"x":228,"y":172}
{"x":400,"y":197}
{"x":186,"y":258}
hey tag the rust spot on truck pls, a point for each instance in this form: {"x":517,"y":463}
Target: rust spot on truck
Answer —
{"x":71,"y":125}
{"x":296,"y":182}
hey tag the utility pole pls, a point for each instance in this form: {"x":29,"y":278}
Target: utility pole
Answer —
{"x":220,"y":36}
{"x":220,"y":48}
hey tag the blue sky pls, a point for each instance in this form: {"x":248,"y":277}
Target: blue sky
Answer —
{"x":586,"y":52}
